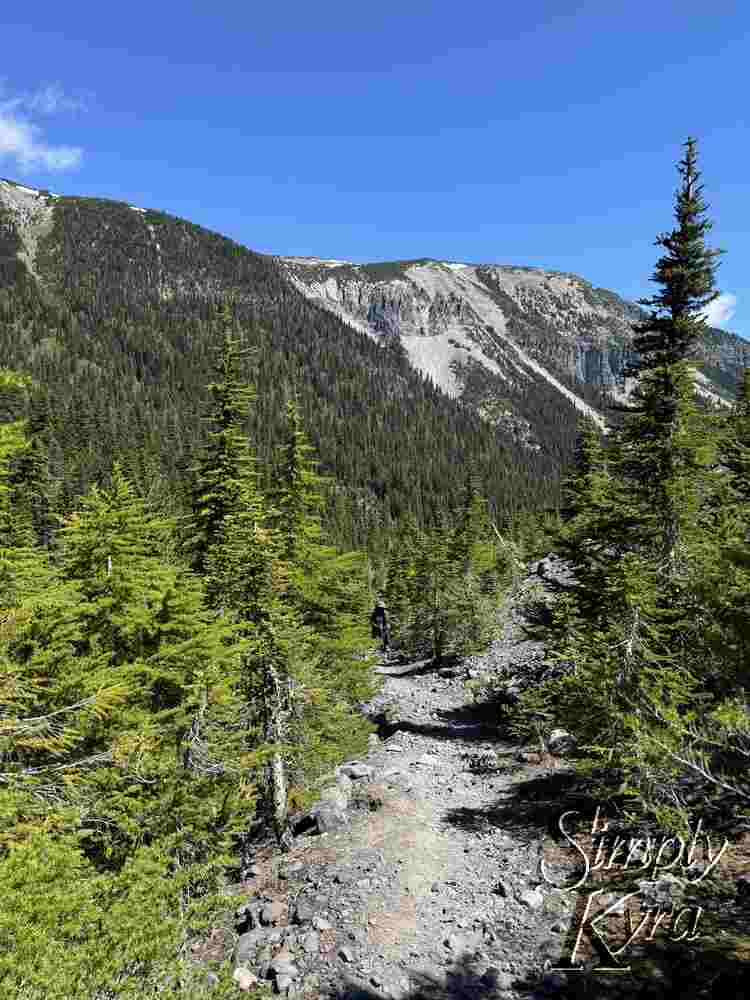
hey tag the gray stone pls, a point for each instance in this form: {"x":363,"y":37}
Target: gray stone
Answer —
{"x":456,"y":943}
{"x":532,"y":898}
{"x":321,"y":924}
{"x":346,"y":954}
{"x":311,"y":943}
{"x":283,"y":967}
{"x":247,"y":944}
{"x":356,"y":770}
{"x":561,"y":742}
{"x":329,"y":817}
{"x":303,"y":912}
{"x":283,"y":983}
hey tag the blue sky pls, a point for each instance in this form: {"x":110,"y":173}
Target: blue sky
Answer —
{"x":540,"y":134}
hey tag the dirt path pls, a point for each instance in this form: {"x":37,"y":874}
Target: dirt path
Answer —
{"x":433,"y":887}
{"x":427,"y":884}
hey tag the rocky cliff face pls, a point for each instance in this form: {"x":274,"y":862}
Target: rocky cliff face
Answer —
{"x":486,"y":332}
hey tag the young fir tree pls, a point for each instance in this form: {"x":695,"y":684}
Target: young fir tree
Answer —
{"x":226,"y":461}
{"x":106,"y":820}
{"x":325,"y":597}
{"x":633,"y":624}
{"x":480,"y":566}
{"x":30,"y":479}
{"x":233,"y":548}
{"x":725,"y":580}
{"x":662,"y":410}
{"x":143,"y":624}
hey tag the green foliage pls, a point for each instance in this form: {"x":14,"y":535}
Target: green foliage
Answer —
{"x":81,"y":933}
{"x":655,"y":529}
{"x":443,"y":586}
{"x":121,"y":333}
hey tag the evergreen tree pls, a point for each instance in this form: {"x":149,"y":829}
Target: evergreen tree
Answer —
{"x":661,"y":433}
{"x":30,"y":480}
{"x":226,"y":461}
{"x":323,"y":593}
{"x":685,"y":274}
{"x":634,"y":622}
{"x":143,"y":624}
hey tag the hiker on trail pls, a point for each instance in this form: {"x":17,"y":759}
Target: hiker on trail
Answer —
{"x":379,"y":622}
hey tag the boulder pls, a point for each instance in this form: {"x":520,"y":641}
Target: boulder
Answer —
{"x":311,"y":943}
{"x":248,"y":944}
{"x":329,"y":817}
{"x":532,"y":898}
{"x":355,"y":770}
{"x":283,"y":967}
{"x":303,"y":912}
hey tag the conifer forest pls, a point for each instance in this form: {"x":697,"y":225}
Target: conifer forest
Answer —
{"x":206,"y":481}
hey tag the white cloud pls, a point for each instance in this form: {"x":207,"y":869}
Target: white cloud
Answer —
{"x":21,"y":139}
{"x":721,"y":310}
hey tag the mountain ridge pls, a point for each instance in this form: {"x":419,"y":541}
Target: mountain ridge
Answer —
{"x":105,"y":299}
{"x":559,"y":325}
{"x":115,"y":312}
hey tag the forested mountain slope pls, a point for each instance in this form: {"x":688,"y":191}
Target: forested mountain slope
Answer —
{"x":492,"y":335}
{"x":114,"y":310}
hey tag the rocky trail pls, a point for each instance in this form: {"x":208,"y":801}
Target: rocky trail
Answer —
{"x":417,"y":874}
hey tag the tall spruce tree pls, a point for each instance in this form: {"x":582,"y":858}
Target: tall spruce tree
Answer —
{"x":634,"y":622}
{"x":226,"y":461}
{"x":661,"y":430}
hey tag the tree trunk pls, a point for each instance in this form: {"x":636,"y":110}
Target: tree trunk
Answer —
{"x":193,"y":744}
{"x":275,"y":733}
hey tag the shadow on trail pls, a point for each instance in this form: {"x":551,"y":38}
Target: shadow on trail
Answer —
{"x":399,"y":667}
{"x":532,"y":806}
{"x":461,"y":981}
{"x":415,"y":668}
{"x":458,"y":732}
{"x":468,"y":723}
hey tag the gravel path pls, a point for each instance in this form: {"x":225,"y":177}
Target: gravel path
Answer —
{"x":430,"y":886}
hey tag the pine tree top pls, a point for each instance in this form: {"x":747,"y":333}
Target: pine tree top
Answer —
{"x":685,"y":275}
